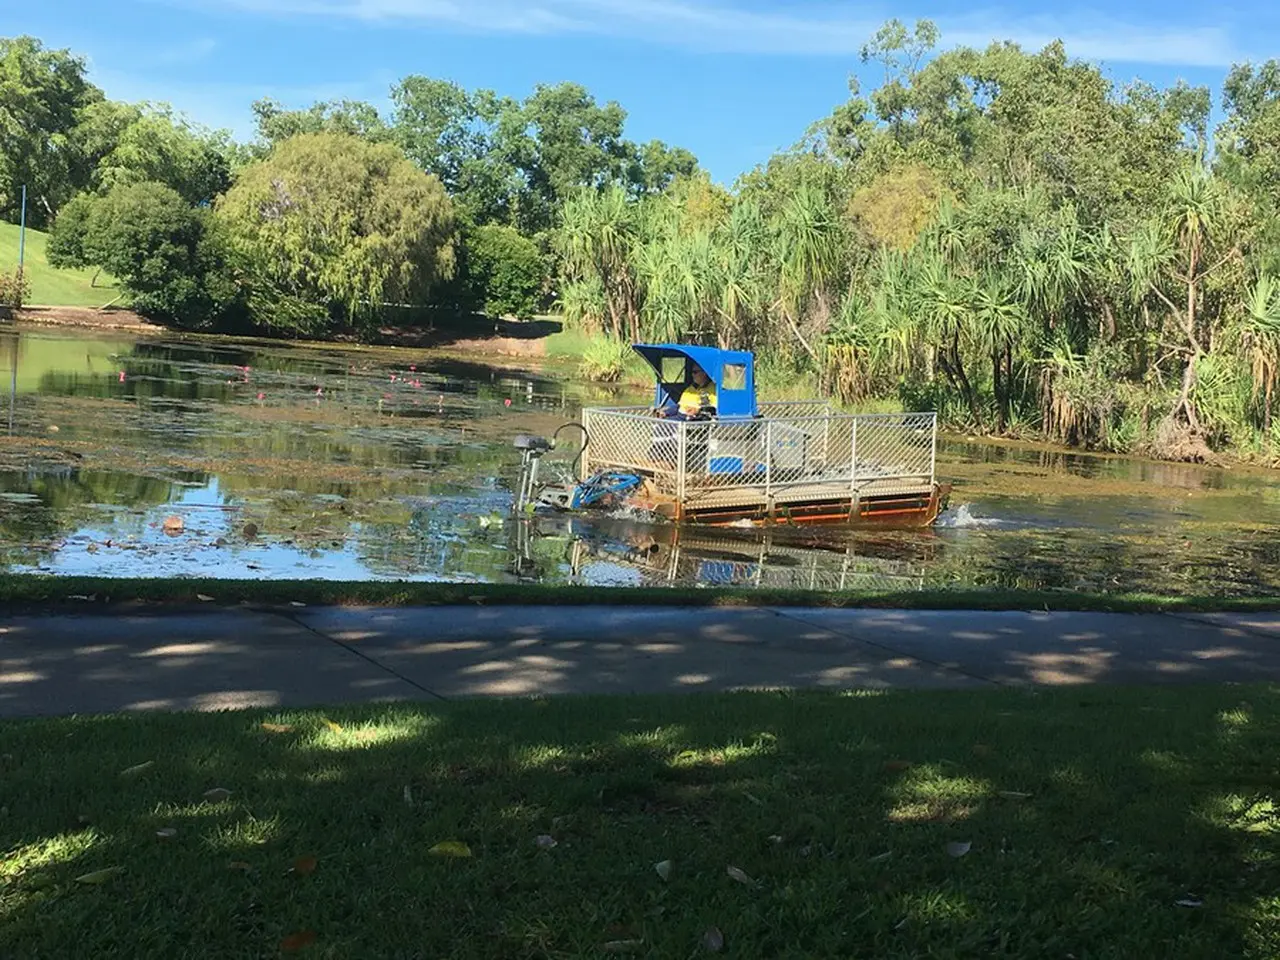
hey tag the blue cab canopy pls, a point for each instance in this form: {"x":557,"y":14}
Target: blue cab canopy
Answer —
{"x":732,"y":371}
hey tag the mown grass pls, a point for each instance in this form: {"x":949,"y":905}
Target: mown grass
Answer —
{"x":42,"y":591}
{"x":1100,"y":823}
{"x":50,"y":286}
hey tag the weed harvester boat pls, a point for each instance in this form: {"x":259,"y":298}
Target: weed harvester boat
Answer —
{"x":758,"y":463}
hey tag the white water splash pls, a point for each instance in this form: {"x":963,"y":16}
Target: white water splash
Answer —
{"x":960,"y":518}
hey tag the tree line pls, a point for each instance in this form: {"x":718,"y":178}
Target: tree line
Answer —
{"x":331,"y":217}
{"x":1004,"y":235}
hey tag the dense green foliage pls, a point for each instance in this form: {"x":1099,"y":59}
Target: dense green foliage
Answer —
{"x":347,"y":252}
{"x":505,"y":271}
{"x":999,"y":234}
{"x":162,"y":249}
{"x":329,"y":224}
{"x":42,"y":93}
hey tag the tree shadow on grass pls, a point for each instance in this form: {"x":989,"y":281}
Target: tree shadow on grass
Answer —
{"x":1088,"y":815}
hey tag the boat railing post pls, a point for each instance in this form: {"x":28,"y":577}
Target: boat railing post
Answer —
{"x":933,"y":452}
{"x":768,"y":465}
{"x":682,"y":450}
{"x":584,"y":465}
{"x":853,"y":455}
{"x":853,"y":469}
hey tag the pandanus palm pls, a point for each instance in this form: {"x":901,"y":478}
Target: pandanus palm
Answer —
{"x":807,"y":244}
{"x":1261,"y":340}
{"x":596,"y":238}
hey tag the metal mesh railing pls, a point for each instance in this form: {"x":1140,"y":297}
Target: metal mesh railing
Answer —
{"x":780,"y":451}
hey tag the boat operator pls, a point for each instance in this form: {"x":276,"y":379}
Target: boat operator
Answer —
{"x":697,"y":401}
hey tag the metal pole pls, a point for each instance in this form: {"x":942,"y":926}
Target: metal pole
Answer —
{"x":22,"y":229}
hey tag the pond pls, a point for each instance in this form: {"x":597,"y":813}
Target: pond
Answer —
{"x":197,"y":456}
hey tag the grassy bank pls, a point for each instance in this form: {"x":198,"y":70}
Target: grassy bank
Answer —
{"x":51,"y":286}
{"x":38,"y":591}
{"x":1103,"y":823}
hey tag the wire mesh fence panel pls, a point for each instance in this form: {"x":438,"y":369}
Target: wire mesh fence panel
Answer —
{"x":758,"y":459}
{"x":635,"y":442}
{"x":896,"y":446}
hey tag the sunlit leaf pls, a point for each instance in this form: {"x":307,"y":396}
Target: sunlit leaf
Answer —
{"x":217,"y":794}
{"x":296,"y":603}
{"x":545,"y":841}
{"x":713,"y":940}
{"x":663,"y":869}
{"x":296,"y":941}
{"x":958,"y":848}
{"x":304,"y":865}
{"x":203,"y":597}
{"x":335,"y":727}
{"x":277,"y":727}
{"x":99,"y":876}
{"x":1189,"y":902}
{"x":167,"y":833}
{"x":450,"y":848}
{"x":137,"y":768}
{"x":738,"y":875}
{"x":879,"y":857}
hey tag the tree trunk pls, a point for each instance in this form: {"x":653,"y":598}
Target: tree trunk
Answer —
{"x":795,"y":329}
{"x":965,"y":386}
{"x":1185,"y":404}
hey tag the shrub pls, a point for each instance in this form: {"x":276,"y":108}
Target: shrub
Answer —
{"x":605,"y":359}
{"x":505,"y":270}
{"x":15,"y":288}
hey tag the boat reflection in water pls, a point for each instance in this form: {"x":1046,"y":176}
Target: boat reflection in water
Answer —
{"x":609,"y":550}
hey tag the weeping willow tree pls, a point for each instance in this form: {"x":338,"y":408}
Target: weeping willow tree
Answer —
{"x":332,"y":225}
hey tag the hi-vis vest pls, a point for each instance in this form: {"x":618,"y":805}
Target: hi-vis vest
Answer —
{"x":696,"y":399}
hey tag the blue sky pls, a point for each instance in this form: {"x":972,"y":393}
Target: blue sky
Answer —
{"x":732,"y":80}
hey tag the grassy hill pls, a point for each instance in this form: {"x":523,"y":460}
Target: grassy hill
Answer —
{"x":50,"y":287}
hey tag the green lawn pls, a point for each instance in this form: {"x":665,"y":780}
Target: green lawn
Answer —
{"x":44,"y":591}
{"x":1087,"y":823}
{"x":50,"y":287}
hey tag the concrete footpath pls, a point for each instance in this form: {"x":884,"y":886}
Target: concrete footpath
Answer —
{"x":212,"y":659}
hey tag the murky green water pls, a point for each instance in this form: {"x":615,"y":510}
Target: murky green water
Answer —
{"x":284,"y":462}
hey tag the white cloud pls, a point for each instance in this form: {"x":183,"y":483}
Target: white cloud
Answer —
{"x":718,"y":25}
